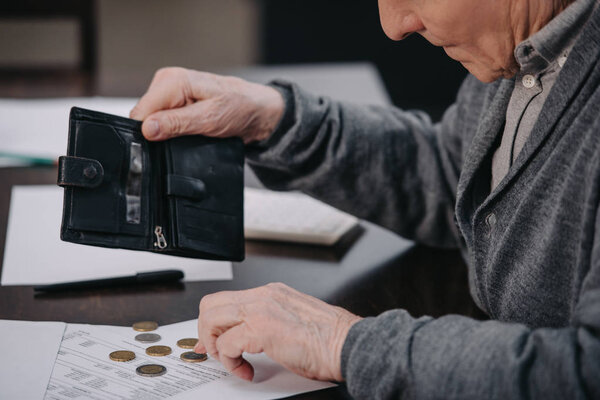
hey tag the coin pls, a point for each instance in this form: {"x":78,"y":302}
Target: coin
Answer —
{"x":122,"y":355}
{"x":190,"y":356}
{"x":148,"y":337}
{"x":187,"y":343}
{"x":145,"y":326}
{"x":158,"y":351}
{"x":151,"y":370}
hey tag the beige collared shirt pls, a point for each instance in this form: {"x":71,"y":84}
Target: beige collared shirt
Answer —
{"x":540,"y":58}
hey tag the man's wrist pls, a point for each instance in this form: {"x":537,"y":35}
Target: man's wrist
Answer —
{"x":269,"y":109}
{"x":343,"y":326}
{"x":275,"y":110}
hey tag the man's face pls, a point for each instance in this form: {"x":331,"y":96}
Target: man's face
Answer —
{"x":474,"y":32}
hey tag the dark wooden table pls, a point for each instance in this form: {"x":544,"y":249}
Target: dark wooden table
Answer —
{"x":369,"y":272}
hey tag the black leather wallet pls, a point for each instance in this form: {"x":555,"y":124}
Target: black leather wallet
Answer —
{"x":182,"y":197}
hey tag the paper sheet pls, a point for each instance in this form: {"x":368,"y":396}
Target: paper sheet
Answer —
{"x":35,"y":255}
{"x":39,"y":127}
{"x":28,"y":351}
{"x":84,"y":369}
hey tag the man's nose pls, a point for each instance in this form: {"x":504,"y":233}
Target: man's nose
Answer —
{"x":398,"y":20}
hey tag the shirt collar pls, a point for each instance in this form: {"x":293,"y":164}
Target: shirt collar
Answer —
{"x":554,"y":40}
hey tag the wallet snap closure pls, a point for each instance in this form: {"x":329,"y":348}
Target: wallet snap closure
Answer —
{"x":185,"y":186}
{"x":79,"y":172}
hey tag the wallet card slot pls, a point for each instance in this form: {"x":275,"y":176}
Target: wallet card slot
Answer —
{"x":133,"y":190}
{"x":209,"y":231}
{"x":185,"y":186}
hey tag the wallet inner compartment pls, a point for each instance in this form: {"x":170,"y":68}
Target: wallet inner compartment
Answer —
{"x":204,"y":185}
{"x":120,"y":203}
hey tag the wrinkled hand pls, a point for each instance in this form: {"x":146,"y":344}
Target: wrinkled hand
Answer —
{"x":300,"y":332}
{"x":183,"y":102}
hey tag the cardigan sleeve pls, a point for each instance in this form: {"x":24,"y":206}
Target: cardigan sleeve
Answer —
{"x":389,"y":166}
{"x":397,"y":356}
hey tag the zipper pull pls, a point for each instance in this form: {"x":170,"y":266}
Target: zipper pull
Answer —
{"x":161,"y":242}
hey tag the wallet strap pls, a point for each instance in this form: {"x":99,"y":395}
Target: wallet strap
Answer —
{"x":79,"y":172}
{"x":185,"y":186}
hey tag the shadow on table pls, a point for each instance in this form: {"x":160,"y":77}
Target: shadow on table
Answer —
{"x":423,"y":281}
{"x":114,"y":291}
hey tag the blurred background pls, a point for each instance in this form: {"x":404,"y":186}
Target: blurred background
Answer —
{"x":112,"y":47}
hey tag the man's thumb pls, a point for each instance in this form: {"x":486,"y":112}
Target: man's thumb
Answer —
{"x":166,"y":124}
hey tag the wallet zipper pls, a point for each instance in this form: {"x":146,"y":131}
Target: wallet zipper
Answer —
{"x":159,"y":233}
{"x":161,"y":242}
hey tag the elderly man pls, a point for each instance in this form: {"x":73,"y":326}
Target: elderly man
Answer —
{"x":511,"y":176}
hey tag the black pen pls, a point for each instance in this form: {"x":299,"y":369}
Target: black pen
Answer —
{"x":170,"y":275}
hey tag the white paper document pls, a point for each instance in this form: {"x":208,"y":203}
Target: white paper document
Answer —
{"x":84,"y":370}
{"x":35,"y":255}
{"x":28,"y":351}
{"x":39,"y":127}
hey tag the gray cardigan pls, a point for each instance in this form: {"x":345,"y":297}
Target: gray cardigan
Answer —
{"x":531,"y":244}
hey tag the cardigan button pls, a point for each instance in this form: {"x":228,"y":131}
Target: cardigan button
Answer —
{"x":490,"y":220}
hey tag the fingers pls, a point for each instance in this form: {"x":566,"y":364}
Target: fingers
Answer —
{"x":232,"y":344}
{"x":239,"y":367}
{"x":215,"y":321}
{"x":203,"y":117}
{"x":237,"y":340}
{"x":199,"y":348}
{"x":304,"y":334}
{"x":222,"y":334}
{"x":168,"y":89}
{"x":217,"y":312}
{"x":184,"y":102}
{"x":165,"y":124}
{"x":174,"y":88}
{"x":222,"y":298}
{"x":229,"y":348}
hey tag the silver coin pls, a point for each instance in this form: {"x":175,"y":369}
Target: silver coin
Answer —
{"x":148,"y":337}
{"x":192,"y":357}
{"x":151,"y":370}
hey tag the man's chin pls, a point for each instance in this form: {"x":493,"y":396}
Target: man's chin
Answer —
{"x":480,"y":71}
{"x":485,"y":75}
